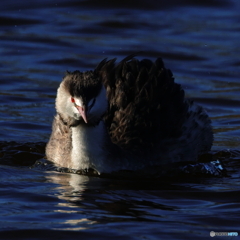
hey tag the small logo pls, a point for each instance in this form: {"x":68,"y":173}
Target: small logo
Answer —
{"x":212,"y":233}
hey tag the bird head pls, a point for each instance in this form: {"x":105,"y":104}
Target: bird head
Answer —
{"x":81,"y":98}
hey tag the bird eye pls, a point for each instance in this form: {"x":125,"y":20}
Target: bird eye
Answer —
{"x":91,"y":103}
{"x":72,"y":100}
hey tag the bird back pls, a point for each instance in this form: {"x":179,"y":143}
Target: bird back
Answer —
{"x":145,"y":104}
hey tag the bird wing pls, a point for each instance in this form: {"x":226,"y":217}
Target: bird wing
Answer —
{"x":145,"y":104}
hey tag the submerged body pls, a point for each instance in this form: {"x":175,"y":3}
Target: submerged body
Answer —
{"x":127,"y":116}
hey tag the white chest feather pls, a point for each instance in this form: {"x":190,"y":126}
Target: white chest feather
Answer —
{"x":87,"y":146}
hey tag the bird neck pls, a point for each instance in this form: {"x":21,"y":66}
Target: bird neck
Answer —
{"x":88,"y":146}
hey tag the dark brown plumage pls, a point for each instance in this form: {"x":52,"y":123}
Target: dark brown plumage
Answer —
{"x":86,"y":85}
{"x":145,"y":105}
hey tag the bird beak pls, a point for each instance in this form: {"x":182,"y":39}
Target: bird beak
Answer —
{"x":83,"y":113}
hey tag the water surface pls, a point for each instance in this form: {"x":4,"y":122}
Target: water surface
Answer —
{"x":40,"y":40}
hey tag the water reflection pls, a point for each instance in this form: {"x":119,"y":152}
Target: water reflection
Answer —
{"x":93,"y":201}
{"x":70,"y":189}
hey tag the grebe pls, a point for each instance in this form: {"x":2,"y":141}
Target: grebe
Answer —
{"x":126,"y":116}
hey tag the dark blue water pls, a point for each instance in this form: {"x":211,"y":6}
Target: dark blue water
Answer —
{"x":40,"y":40}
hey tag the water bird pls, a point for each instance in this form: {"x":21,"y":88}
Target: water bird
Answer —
{"x":126,"y":116}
